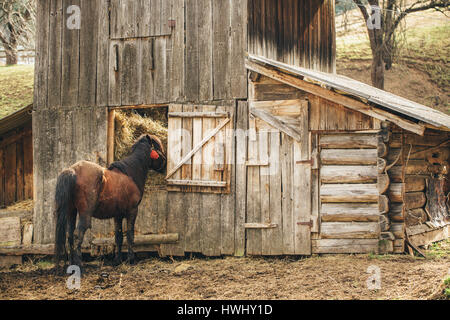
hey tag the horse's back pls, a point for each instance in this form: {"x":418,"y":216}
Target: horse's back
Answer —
{"x":119,"y":194}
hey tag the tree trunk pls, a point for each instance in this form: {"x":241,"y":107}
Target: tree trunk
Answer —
{"x":11,"y":54}
{"x":377,"y":72}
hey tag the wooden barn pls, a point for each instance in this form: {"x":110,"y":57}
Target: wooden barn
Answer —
{"x":16,"y":157}
{"x":269,"y":152}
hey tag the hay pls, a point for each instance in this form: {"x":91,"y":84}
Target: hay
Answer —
{"x":24,"y":205}
{"x":129,"y":126}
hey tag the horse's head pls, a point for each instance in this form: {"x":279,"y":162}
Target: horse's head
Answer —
{"x":157,"y":155}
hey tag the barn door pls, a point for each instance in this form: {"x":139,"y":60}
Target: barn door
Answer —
{"x":278,"y":179}
{"x":200,"y":142}
{"x":141,"y":48}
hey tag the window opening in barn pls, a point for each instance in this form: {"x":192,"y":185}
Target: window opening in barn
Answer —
{"x":129,"y":125}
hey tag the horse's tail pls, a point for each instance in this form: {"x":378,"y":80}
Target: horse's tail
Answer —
{"x":63,"y":200}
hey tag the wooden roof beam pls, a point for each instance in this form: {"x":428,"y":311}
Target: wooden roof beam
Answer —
{"x":335,"y":97}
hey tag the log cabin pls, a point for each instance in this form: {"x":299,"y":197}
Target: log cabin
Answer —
{"x":284,"y":157}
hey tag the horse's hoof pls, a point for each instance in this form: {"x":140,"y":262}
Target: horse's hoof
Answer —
{"x":131,"y":262}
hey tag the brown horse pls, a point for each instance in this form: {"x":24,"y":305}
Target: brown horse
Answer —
{"x":90,"y":190}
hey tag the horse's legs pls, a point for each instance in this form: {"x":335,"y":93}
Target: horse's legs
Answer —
{"x":72,"y":220}
{"x":131,"y":219}
{"x":84,"y":223}
{"x":119,"y":240}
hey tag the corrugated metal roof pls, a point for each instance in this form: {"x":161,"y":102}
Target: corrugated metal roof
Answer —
{"x":16,"y":119}
{"x":353,"y":87}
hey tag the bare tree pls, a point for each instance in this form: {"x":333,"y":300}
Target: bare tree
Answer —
{"x":382,"y":38}
{"x":17,"y":25}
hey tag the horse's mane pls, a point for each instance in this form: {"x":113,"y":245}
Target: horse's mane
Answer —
{"x":136,"y":165}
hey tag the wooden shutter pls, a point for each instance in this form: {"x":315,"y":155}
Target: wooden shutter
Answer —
{"x":200,"y":148}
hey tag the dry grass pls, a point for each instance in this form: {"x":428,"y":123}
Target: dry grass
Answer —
{"x":319,"y":277}
{"x":129,"y":126}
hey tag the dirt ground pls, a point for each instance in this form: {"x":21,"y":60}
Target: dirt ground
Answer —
{"x":317,"y":277}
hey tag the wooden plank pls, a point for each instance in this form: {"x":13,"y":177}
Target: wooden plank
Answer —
{"x":350,"y":230}
{"x":345,"y":246}
{"x":186,"y":144}
{"x":275,"y":195}
{"x":10,"y":174}
{"x":429,"y":237}
{"x":54,"y":53}
{"x":349,"y":156}
{"x":141,"y":239}
{"x":221,"y":49}
{"x":263,"y":150}
{"x":347,"y":212}
{"x":210,"y":130}
{"x":287,"y":195}
{"x":210,"y":228}
{"x":174,"y":139}
{"x":197,"y":136}
{"x":349,"y":141}
{"x":241,"y":176}
{"x":42,"y":54}
{"x":27,"y":167}
{"x":349,"y":193}
{"x":228,"y":200}
{"x":19,"y":171}
{"x":277,"y":123}
{"x":348,"y":174}
{"x":197,"y":183}
{"x":175,"y":222}
{"x":177,"y":68}
{"x":199,"y":114}
{"x":302,"y":186}
{"x":205,"y":50}
{"x":254,"y":237}
{"x":70,"y":60}
{"x":147,"y":48}
{"x":10,"y":232}
{"x":102,"y":53}
{"x":88,"y":52}
{"x":238,"y":45}
{"x":260,"y":225}
{"x":110,"y":137}
{"x":130,"y":73}
{"x":192,"y":82}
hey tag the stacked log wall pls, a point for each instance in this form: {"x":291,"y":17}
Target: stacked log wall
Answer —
{"x":410,"y":173}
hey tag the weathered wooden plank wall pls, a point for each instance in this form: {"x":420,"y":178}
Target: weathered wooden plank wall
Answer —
{"x":16,"y":166}
{"x":297,"y":32}
{"x":144,"y":60}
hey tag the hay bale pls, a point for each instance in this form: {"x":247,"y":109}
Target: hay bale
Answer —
{"x":129,"y":126}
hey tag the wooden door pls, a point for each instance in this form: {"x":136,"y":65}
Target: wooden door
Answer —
{"x":278,"y":164}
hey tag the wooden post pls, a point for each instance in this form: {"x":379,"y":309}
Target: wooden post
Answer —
{"x":110,"y":137}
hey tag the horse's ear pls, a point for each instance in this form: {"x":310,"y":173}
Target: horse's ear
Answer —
{"x":150,"y":140}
